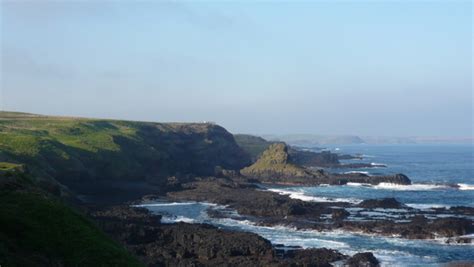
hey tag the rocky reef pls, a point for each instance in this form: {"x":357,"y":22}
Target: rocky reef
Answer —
{"x":271,"y":209}
{"x":183,"y":244}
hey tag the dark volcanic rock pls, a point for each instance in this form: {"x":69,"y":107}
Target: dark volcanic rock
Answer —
{"x":314,"y":257}
{"x":449,"y":227}
{"x":463,"y":210}
{"x":247,"y":200}
{"x":366,"y":179}
{"x":365,"y":259}
{"x":185,"y":244}
{"x":418,"y":228}
{"x":386,"y":203}
{"x":339,"y":214}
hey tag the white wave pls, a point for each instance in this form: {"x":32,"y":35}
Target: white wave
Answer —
{"x":395,"y":258}
{"x":375,"y":164}
{"x":358,"y":184}
{"x":467,"y":236}
{"x":466,"y":187}
{"x":412,"y":187}
{"x":426,"y":206}
{"x":302,"y":196}
{"x":164,"y":204}
{"x":167,"y":219}
{"x":362,"y":172}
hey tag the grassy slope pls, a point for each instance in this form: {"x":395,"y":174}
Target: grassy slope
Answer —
{"x":76,"y":149}
{"x":253,"y":145}
{"x":38,"y":230}
{"x":274,"y":163}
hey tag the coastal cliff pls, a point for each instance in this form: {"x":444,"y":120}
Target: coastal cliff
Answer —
{"x":78,"y":152}
{"x":63,"y":166}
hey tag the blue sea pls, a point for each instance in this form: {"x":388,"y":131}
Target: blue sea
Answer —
{"x":433,"y":169}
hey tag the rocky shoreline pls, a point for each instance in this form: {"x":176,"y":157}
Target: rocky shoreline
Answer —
{"x":204,"y":245}
{"x":271,"y":209}
{"x":184,"y":244}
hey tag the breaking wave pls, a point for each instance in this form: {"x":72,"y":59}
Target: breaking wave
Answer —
{"x":302,"y":196}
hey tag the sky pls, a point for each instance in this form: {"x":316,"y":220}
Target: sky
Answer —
{"x":379,"y":68}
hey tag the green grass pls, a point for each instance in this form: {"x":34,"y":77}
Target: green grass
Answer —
{"x":7,"y":166}
{"x":71,"y":150}
{"x":24,"y":136}
{"x":38,"y":231}
{"x":253,"y":145}
{"x":275,"y":161}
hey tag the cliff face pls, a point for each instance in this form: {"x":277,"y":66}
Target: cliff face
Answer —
{"x":75,"y":151}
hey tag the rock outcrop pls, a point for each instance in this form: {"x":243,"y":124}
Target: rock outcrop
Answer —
{"x":183,"y":244}
{"x":275,"y":166}
{"x":361,"y":178}
{"x":365,"y":259}
{"x":384,"y":203}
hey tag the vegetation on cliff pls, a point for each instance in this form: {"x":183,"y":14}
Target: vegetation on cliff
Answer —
{"x":253,"y":145}
{"x":275,"y":165}
{"x":37,"y":229}
{"x":76,"y":150}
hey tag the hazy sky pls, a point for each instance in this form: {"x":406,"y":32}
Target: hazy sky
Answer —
{"x":323,"y":67}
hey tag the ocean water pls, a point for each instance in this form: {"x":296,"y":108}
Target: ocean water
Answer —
{"x":432,"y":168}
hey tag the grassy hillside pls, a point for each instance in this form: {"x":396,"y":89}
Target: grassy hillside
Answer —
{"x":77,"y":150}
{"x":38,"y":230}
{"x":253,"y":145}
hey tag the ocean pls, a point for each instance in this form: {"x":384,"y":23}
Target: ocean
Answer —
{"x":442,"y":176}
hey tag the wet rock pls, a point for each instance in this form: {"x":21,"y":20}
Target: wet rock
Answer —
{"x":385,"y":203}
{"x":399,"y":178}
{"x":183,"y":244}
{"x":366,"y":259}
{"x":463,"y":210}
{"x":449,"y":227}
{"x":339,"y":214}
{"x":255,"y":203}
{"x":313,"y":257}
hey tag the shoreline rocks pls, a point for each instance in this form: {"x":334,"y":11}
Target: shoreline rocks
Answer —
{"x":270,"y":209}
{"x":183,"y":244}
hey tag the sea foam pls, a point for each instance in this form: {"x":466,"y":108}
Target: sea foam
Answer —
{"x":302,"y":196}
{"x":466,"y":187}
{"x":411,"y":187}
